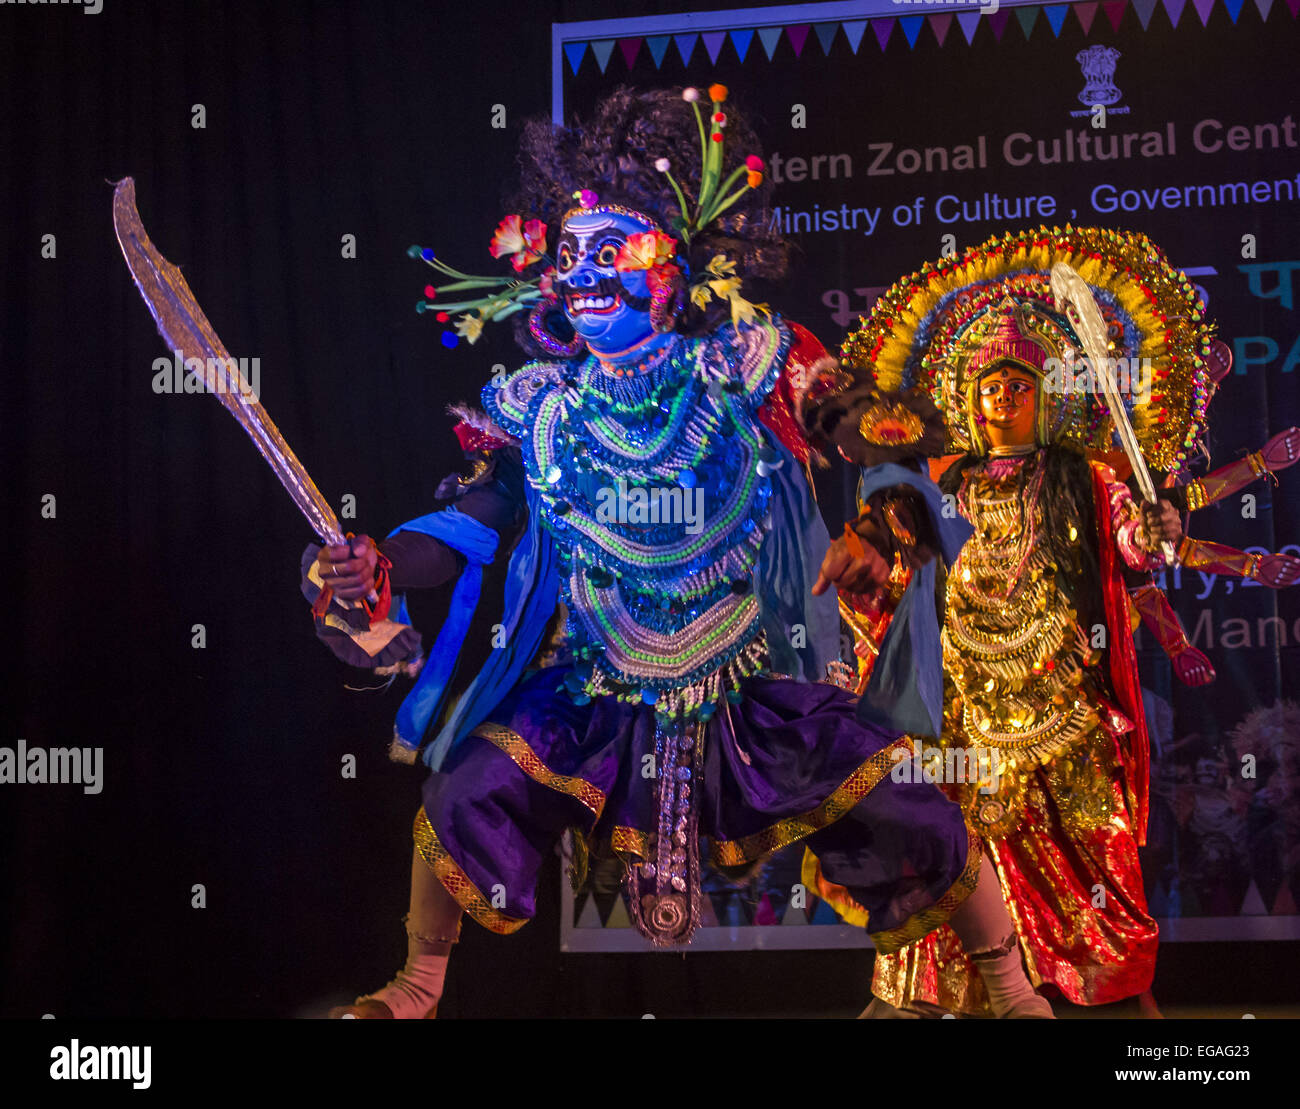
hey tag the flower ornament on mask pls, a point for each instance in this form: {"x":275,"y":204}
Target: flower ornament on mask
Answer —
{"x":523,"y":243}
{"x":655,"y":253}
{"x":617,"y":276}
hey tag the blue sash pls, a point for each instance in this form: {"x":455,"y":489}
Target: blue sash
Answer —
{"x":905,"y":693}
{"x":478,"y":543}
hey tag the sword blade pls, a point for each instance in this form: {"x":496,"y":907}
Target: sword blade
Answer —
{"x":1072,"y":294}
{"x":185,"y":328}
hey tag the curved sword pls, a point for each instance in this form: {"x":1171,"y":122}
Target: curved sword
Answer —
{"x":185,"y":328}
{"x":1073,"y":296}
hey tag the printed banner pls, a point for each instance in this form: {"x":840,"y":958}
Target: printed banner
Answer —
{"x":898,"y":138}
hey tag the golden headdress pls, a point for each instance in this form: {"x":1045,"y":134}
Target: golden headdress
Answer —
{"x":944,"y":325}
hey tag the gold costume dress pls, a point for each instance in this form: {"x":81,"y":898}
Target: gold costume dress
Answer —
{"x":1031,"y":723}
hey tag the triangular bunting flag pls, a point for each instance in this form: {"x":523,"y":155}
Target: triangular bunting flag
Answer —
{"x":574,"y":52}
{"x":998,"y":22}
{"x":853,"y":31}
{"x":826,"y":35}
{"x":1114,"y":10}
{"x":1174,"y":9}
{"x":741,"y":40}
{"x":765,"y":915}
{"x":1203,"y":9}
{"x":968,"y":21}
{"x":1158,"y":903}
{"x":1285,"y":903}
{"x":1264,"y":6}
{"x":1027,"y":16}
{"x":1233,"y":8}
{"x":825,"y":913}
{"x":618,"y":916}
{"x":685,"y":46}
{"x":794,"y":916}
{"x":604,"y":900}
{"x":731,"y":913}
{"x":883,"y":28}
{"x":769,"y":37}
{"x":601,"y":51}
{"x":590,"y":915}
{"x":1086,"y":13}
{"x":1056,"y":14}
{"x":1146,"y":9}
{"x":708,"y":918}
{"x":1253,"y":905}
{"x":713,"y":41}
{"x":658,"y":46}
{"x":629,"y":48}
{"x":911,"y":25}
{"x":798,"y":35}
{"x":1293,"y":6}
{"x":939,"y":24}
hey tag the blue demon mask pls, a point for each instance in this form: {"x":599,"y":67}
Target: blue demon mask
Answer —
{"x":609,"y":309}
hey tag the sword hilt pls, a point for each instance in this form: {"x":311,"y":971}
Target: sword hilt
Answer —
{"x":335,"y":538}
{"x":372,"y":596}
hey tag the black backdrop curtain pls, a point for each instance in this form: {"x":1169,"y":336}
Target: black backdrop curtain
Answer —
{"x":223,"y":764}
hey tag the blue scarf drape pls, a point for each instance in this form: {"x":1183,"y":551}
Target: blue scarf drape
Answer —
{"x":906,"y":688}
{"x":478,"y":543}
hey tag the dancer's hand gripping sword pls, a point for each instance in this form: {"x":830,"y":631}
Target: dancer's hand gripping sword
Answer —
{"x":185,"y":329}
{"x":1073,"y":296}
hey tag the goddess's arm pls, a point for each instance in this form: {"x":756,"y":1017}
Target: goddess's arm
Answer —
{"x":1190,"y":665}
{"x":1274,"y":570}
{"x":887,"y":436}
{"x":1278,"y":453}
{"x":805,"y":409}
{"x":1139,"y":550}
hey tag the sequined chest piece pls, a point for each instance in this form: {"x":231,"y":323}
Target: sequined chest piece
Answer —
{"x":656,"y":487}
{"x":1013,"y":649}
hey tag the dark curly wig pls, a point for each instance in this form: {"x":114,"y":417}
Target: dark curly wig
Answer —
{"x":613,"y":153}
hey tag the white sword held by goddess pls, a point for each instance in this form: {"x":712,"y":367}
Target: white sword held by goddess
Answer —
{"x":184,"y":328}
{"x":1073,"y":296}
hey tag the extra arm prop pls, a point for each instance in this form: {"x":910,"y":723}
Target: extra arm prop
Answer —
{"x":1190,"y":665}
{"x":1281,"y":451}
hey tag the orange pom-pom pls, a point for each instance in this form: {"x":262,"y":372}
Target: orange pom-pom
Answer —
{"x":754,"y":179}
{"x":718,"y":93}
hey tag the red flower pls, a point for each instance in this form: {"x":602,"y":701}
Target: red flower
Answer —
{"x":662,"y":275}
{"x":524,"y":243}
{"x":645,"y":250}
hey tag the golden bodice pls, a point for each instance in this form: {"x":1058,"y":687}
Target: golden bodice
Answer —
{"x":1020,"y":673}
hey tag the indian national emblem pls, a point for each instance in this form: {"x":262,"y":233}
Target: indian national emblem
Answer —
{"x":1098,"y":66}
